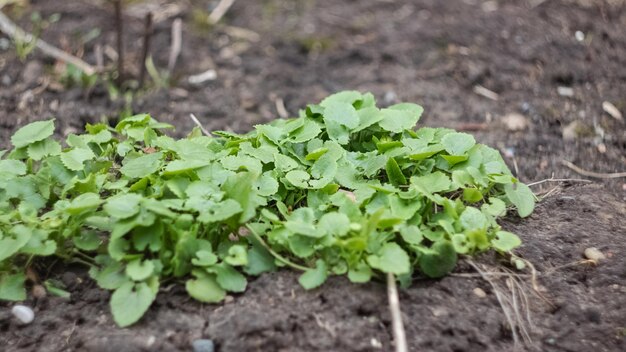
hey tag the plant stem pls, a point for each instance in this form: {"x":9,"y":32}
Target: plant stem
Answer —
{"x":276,"y":255}
{"x":146,"y":48}
{"x":120,"y":45}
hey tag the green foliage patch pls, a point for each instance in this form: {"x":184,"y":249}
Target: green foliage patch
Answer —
{"x":345,"y":188}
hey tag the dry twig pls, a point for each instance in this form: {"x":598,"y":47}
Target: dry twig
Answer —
{"x":146,"y":48}
{"x":197,"y":122}
{"x":13,"y":31}
{"x":399,"y":335}
{"x":592,"y":173}
{"x":119,"y":31}
{"x":177,"y":42}
{"x":220,"y":10}
{"x":559,"y":180}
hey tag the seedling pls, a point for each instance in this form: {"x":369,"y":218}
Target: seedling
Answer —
{"x":344,"y":189}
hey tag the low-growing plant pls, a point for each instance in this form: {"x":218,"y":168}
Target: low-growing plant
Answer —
{"x":344,"y":189}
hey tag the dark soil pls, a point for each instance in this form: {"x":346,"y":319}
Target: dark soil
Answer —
{"x":430,"y":52}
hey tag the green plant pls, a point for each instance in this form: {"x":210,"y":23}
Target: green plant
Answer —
{"x":24,"y":45}
{"x":346,"y":188}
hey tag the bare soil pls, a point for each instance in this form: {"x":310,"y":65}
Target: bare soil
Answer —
{"x":432,"y":52}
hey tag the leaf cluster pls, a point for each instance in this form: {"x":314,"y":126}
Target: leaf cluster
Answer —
{"x":346,"y":188}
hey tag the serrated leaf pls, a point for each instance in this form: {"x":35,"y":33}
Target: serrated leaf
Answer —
{"x":12,"y":287}
{"x":400,"y":117}
{"x":44,"y":148}
{"x":75,"y":158}
{"x":522,"y":197}
{"x":473,"y":219}
{"x":142,"y":166}
{"x":11,"y":245}
{"x":123,"y":206}
{"x":457,"y":143}
{"x":33,"y":132}
{"x":391,"y":259}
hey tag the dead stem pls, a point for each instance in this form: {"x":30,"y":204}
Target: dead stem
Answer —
{"x":592,"y":173}
{"x":399,"y":335}
{"x":13,"y":31}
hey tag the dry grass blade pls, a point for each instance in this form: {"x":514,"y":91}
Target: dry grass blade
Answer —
{"x":559,"y":180}
{"x":593,"y":173}
{"x":513,"y":300}
{"x":197,"y":122}
{"x":399,"y":335}
{"x":220,"y":10}
{"x":13,"y":31}
{"x":177,"y":43}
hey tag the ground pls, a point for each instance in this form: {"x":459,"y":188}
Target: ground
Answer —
{"x":551,"y":65}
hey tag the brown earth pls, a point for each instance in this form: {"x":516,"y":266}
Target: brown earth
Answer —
{"x":431,"y":52}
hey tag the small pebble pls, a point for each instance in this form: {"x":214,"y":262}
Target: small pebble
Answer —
{"x":580,"y":36}
{"x":375,"y":343}
{"x":203,"y":345}
{"x":515,"y":122}
{"x":602,"y":148}
{"x":610,"y":109}
{"x":23,"y":313}
{"x":480,"y":292}
{"x":39,"y":291}
{"x":565,"y":91}
{"x":593,"y":253}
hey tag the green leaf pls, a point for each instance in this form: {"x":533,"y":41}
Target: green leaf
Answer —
{"x":42,"y":149}
{"x":341,"y":113}
{"x":237,"y":256}
{"x":142,"y":166}
{"x":472,"y":195}
{"x":139,"y":270}
{"x":205,"y":289}
{"x":75,"y":158}
{"x":400,"y":117}
{"x":259,"y":261}
{"x":506,"y":241}
{"x":313,"y":278}
{"x":522,"y":197}
{"x":87,"y":240}
{"x":391,"y":259}
{"x":33,"y":132}
{"x":10,"y":246}
{"x":12,"y":287}
{"x":298,"y":178}
{"x":433,"y":182}
{"x":123,"y":206}
{"x":394,"y":174}
{"x":439,"y":261}
{"x":334,"y":223}
{"x":457,"y":143}
{"x":204,"y":258}
{"x":360,"y":274}
{"x":230,"y":279}
{"x":473,"y":219}
{"x":83,"y":203}
{"x":111,"y":277}
{"x":131,"y":301}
